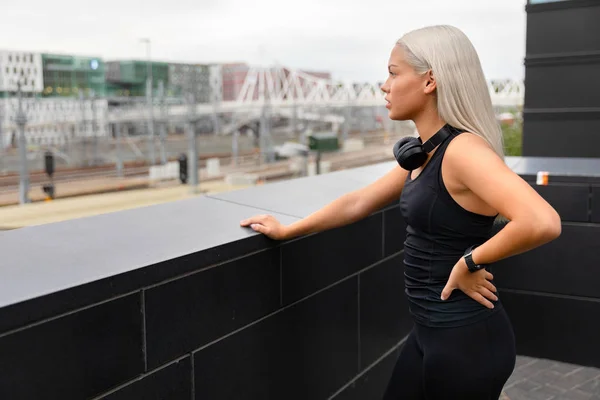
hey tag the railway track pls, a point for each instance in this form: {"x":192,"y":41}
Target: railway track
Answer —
{"x":378,"y":150}
{"x":10,"y":182}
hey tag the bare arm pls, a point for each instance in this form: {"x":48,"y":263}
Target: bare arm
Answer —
{"x":533,"y":222}
{"x":345,"y":210}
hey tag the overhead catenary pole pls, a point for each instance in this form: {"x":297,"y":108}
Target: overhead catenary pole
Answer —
{"x":163,"y":124}
{"x":118,"y":143}
{"x":21,"y":120}
{"x":94,"y":127}
{"x":149,"y":101}
{"x":191,"y":133}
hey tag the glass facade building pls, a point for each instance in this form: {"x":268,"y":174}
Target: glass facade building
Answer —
{"x":66,"y":75}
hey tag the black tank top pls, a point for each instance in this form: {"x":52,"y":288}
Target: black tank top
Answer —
{"x":438,"y":232}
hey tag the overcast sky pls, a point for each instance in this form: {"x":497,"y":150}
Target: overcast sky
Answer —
{"x":350,"y":38}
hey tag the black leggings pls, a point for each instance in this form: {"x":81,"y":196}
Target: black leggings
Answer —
{"x":471,"y":362}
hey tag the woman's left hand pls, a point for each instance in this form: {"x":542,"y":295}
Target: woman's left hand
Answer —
{"x":476,"y":285}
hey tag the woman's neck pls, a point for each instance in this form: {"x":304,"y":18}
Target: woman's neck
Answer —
{"x":428,"y":124}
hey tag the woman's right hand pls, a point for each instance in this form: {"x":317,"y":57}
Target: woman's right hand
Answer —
{"x":267,"y":225}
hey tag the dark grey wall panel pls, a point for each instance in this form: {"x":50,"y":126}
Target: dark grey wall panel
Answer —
{"x":563,"y":85}
{"x":394,"y":228}
{"x":570,"y":201}
{"x":568,"y":265}
{"x":561,"y":135}
{"x":563,"y":30}
{"x":384,"y":315}
{"x":558,"y":328}
{"x":562,"y":104}
{"x":307,"y":351}
{"x":312,"y":263}
{"x":173,"y":382}
{"x":595,"y":204}
{"x":189,"y":312}
{"x":373,"y":383}
{"x":74,"y":357}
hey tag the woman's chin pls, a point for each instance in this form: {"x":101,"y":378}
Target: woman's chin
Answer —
{"x":395,"y":116}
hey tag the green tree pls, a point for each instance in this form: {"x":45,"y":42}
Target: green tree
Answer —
{"x":513,"y":139}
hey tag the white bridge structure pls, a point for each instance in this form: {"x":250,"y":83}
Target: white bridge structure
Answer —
{"x":274,"y":91}
{"x":282,"y":90}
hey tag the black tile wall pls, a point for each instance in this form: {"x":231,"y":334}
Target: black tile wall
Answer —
{"x":564,"y":30}
{"x":76,"y":356}
{"x":307,"y":351}
{"x":394,"y":228}
{"x":595,"y":204}
{"x":384,"y":316}
{"x":568,"y":265}
{"x":312,"y":263}
{"x":173,"y":382}
{"x":189,"y":312}
{"x":564,"y":77}
{"x":544,"y":134}
{"x":570,"y":201}
{"x":559,"y":328}
{"x":372,"y":384}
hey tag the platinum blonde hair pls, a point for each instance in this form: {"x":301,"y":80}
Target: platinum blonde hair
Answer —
{"x":463,"y":97}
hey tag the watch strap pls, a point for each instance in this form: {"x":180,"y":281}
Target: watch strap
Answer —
{"x":469,"y":260}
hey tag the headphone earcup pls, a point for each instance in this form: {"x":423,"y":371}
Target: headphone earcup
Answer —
{"x":409,"y":153}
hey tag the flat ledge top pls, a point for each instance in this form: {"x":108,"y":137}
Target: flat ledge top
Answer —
{"x":576,"y":167}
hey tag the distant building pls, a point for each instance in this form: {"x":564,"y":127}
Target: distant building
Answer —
{"x":189,"y":79}
{"x":53,"y":120}
{"x":233,"y":77}
{"x":52,"y":86}
{"x":73,"y":76}
{"x":51,"y":75}
{"x":24,"y":67}
{"x":127,"y":78}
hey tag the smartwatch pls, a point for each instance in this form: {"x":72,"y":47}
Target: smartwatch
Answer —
{"x":469,"y":260}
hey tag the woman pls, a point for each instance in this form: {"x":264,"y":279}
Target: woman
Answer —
{"x":462,"y":344}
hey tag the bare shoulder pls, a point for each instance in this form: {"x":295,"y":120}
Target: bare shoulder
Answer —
{"x":469,"y":159}
{"x":474,"y":163}
{"x":468,"y":148}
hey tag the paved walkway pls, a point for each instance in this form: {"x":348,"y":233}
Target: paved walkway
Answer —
{"x":539,"y":379}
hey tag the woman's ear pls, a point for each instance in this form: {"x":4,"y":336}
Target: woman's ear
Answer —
{"x":430,"y":82}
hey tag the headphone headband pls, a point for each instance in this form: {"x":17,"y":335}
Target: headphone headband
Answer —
{"x":436,"y":139}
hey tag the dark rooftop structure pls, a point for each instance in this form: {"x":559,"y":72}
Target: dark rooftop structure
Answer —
{"x":177,"y":300}
{"x":562,"y":101}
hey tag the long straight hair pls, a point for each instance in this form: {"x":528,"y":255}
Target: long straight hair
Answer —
{"x":463,"y":97}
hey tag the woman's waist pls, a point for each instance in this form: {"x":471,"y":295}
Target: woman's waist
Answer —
{"x":427,"y":269}
{"x":439,"y":246}
{"x":427,"y":307}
